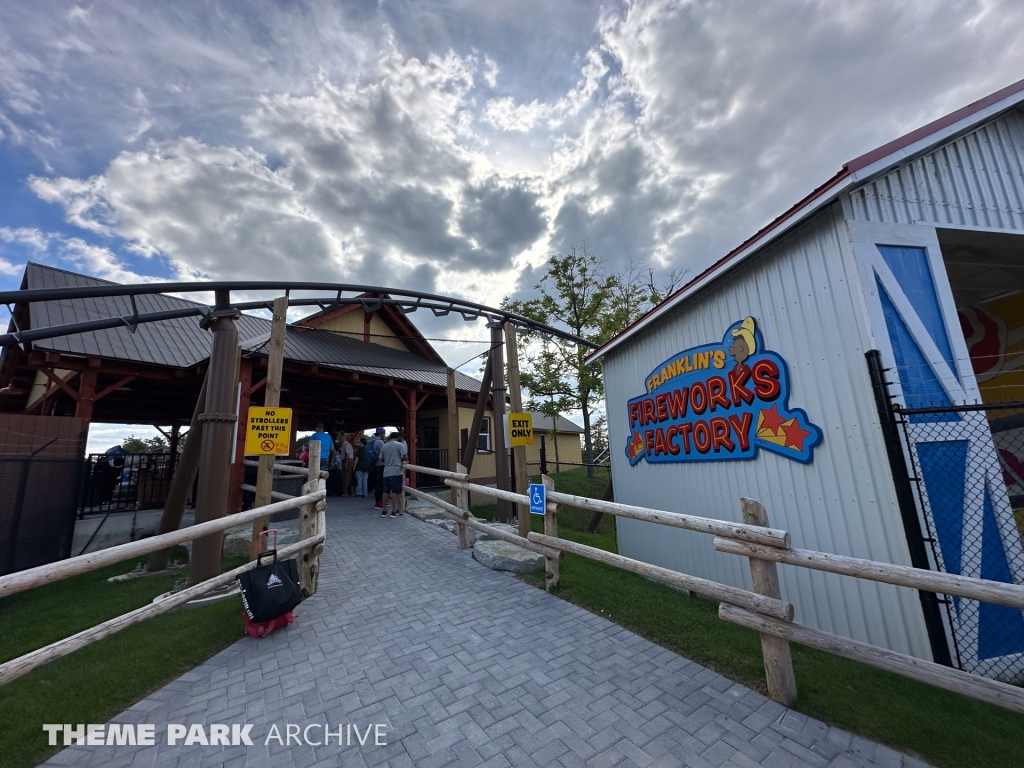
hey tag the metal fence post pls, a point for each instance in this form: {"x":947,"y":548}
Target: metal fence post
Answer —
{"x":778,"y":662}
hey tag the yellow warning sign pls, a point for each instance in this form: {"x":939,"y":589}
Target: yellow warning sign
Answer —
{"x":520,"y":429}
{"x":269,"y":431}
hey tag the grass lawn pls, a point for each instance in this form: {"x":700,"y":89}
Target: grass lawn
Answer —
{"x":95,"y":683}
{"x":942,"y":728}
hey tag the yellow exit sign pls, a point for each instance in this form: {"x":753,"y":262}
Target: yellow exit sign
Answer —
{"x":520,"y":429}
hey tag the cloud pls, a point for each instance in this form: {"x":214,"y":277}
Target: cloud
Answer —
{"x":71,"y":253}
{"x":454,"y":148}
{"x":377,"y":181}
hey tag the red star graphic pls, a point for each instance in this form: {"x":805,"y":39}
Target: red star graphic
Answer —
{"x":795,"y":435}
{"x":771,"y":419}
{"x":637,"y":446}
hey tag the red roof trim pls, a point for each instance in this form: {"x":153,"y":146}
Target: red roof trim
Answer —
{"x":846,"y":171}
{"x":933,"y":127}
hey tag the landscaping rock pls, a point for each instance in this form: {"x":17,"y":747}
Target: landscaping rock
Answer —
{"x":505,"y":527}
{"x":424,"y":512}
{"x":502,"y":556}
{"x":448,"y":525}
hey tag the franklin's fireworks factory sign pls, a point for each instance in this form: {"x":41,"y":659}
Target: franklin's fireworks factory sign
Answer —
{"x":719,"y":402}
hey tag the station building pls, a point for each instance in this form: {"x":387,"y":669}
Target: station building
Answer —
{"x":858,"y":367}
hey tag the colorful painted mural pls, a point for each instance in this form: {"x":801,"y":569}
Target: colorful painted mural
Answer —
{"x":994,"y":332}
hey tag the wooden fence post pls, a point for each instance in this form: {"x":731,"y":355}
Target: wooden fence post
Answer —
{"x":462,"y":502}
{"x":778,"y":663}
{"x":551,"y":564}
{"x":308,"y":571}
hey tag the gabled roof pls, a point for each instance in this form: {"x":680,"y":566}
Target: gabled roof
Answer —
{"x":182,"y":343}
{"x":541,"y":421}
{"x":179,"y":343}
{"x":404,"y":330}
{"x":855,"y":172}
{"x":338,"y":350}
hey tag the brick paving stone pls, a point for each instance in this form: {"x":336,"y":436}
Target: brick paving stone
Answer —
{"x":466,"y":666}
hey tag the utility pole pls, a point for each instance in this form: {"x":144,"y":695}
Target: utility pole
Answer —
{"x":519,"y":452}
{"x":271,"y":399}
{"x":219,"y":423}
{"x":498,"y":428}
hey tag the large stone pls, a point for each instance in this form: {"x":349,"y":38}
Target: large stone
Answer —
{"x":502,"y":556}
{"x":504,"y":527}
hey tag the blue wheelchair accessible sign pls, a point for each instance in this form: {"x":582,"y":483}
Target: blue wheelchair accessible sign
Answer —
{"x":538,"y":498}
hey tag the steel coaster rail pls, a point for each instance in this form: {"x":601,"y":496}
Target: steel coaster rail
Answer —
{"x":439,"y":304}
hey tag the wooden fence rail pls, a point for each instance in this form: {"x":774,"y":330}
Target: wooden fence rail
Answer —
{"x":45,"y":574}
{"x":313,"y":529}
{"x":986,"y":591}
{"x":958,"y":681}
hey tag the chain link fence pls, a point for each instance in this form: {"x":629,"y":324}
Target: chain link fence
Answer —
{"x":967,"y":474}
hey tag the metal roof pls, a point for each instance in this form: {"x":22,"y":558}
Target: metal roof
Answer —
{"x":338,"y":350}
{"x":181,"y":343}
{"x":856,"y":171}
{"x":177,"y":343}
{"x":541,"y":421}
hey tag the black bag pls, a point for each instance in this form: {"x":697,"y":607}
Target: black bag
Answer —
{"x":271,"y":590}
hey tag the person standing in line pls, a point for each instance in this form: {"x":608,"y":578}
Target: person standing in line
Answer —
{"x":362,"y":468}
{"x":334,"y":487}
{"x":326,"y":446}
{"x":377,"y":446}
{"x":348,"y":464}
{"x":405,"y":457}
{"x":392,"y":454}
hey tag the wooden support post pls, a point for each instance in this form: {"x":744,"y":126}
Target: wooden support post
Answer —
{"x":308,"y":563}
{"x":498,"y":422}
{"x":469,"y":449}
{"x":462,"y":502}
{"x":86,"y":393}
{"x":519,"y":453}
{"x":271,"y":399}
{"x":185,"y":469}
{"x":453,"y":423}
{"x":410,"y":433}
{"x":778,"y":662}
{"x":551,"y":564}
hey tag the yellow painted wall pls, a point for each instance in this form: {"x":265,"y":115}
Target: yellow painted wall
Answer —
{"x":569,"y":448}
{"x":351,"y":324}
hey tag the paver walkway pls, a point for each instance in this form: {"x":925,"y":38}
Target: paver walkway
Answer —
{"x":466,"y":666}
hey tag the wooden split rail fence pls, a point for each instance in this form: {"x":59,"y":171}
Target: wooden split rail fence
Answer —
{"x":312,"y":535}
{"x":762,"y":609}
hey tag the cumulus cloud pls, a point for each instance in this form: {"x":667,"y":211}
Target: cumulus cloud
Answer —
{"x":71,"y":253}
{"x":369,"y":146}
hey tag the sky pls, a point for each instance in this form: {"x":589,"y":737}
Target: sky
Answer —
{"x":446,"y":145}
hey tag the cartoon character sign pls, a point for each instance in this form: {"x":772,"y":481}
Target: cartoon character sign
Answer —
{"x":719,"y":402}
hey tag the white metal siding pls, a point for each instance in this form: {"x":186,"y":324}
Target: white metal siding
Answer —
{"x":804,"y":294}
{"x":975,"y":181}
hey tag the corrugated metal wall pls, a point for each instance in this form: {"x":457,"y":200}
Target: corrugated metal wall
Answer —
{"x":975,"y":181}
{"x":805,"y":297}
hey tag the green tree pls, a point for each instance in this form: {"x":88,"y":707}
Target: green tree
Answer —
{"x":575,"y":294}
{"x":134,"y":444}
